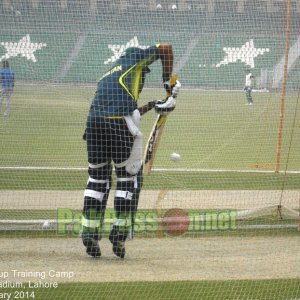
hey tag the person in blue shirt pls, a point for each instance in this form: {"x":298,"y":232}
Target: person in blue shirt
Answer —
{"x":114,"y":139}
{"x":7,"y":78}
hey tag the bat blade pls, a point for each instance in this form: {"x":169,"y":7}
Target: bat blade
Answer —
{"x":155,"y":136}
{"x":153,"y":143}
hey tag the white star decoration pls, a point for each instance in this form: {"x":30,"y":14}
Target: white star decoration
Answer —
{"x":119,"y":49}
{"x":23,"y":47}
{"x":245,"y":54}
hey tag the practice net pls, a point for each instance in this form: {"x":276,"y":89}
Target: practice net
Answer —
{"x":218,"y":215}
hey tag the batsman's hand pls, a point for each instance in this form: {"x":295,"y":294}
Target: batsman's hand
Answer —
{"x":174,"y":89}
{"x":152,"y":104}
{"x":165,"y":106}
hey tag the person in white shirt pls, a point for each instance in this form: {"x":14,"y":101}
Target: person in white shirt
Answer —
{"x":248,"y":87}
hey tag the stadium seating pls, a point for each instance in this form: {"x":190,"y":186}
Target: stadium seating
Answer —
{"x":77,"y":43}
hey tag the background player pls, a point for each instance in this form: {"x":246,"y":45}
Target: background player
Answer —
{"x":7,"y":77}
{"x":248,"y":87}
{"x":113,"y":137}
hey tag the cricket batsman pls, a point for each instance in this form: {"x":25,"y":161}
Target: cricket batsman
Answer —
{"x":113,"y":138}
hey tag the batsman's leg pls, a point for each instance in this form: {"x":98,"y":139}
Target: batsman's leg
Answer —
{"x":97,"y":188}
{"x":122,"y":203}
{"x":95,"y":200}
{"x":127,"y":159}
{"x":135,"y":200}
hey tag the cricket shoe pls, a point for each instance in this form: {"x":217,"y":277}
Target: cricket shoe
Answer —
{"x":92,"y":246}
{"x":119,"y":249}
{"x":118,"y":244}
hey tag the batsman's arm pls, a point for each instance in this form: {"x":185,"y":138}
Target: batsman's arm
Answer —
{"x":147,"y":107}
{"x":166,"y":57}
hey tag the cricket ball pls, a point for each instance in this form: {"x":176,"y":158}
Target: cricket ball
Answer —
{"x":175,"y":156}
{"x":175,"y":222}
{"x":46,"y":225}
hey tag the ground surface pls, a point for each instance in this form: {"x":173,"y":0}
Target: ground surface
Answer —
{"x":158,"y":259}
{"x":196,"y":199}
{"x":153,"y":259}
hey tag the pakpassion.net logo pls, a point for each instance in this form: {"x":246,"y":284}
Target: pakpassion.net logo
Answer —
{"x":173,"y":222}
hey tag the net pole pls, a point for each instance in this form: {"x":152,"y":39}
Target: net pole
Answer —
{"x":283,"y":89}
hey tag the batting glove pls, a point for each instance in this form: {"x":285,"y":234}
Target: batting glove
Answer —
{"x":174,"y":89}
{"x":163,"y":107}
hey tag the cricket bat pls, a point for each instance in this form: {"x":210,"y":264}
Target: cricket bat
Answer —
{"x":155,"y":136}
